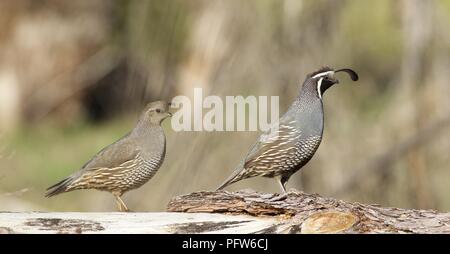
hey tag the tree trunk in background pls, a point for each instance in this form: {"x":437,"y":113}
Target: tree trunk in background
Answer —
{"x":417,"y":31}
{"x":208,"y":44}
{"x":42,"y":47}
{"x":10,"y":110}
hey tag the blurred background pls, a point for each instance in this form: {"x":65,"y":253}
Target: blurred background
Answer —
{"x":75,"y":74}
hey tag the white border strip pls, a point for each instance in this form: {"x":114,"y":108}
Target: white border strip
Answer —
{"x":319,"y":85}
{"x":323,"y":74}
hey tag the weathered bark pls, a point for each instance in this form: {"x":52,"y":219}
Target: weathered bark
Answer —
{"x":238,"y":212}
{"x":311,"y":213}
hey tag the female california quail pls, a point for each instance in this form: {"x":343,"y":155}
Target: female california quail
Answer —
{"x":293,"y":140}
{"x":126,"y":164}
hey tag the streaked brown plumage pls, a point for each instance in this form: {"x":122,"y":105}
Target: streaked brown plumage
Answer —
{"x":126,"y":164}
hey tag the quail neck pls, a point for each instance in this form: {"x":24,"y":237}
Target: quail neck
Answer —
{"x":307,"y":110}
{"x":149,"y":134}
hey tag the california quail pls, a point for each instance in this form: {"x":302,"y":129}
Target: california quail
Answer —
{"x":126,"y":164}
{"x":293,"y":140}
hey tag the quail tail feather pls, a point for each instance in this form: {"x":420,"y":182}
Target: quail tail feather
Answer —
{"x":236,"y":176}
{"x":60,"y":187}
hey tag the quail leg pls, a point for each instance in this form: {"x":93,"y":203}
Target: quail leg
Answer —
{"x":282,"y":196}
{"x":282,"y":185}
{"x":121,"y":205}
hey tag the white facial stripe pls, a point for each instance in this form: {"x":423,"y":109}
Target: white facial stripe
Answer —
{"x":323,"y":74}
{"x":319,"y":84}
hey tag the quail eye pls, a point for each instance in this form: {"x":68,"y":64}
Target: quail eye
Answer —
{"x":158,"y":110}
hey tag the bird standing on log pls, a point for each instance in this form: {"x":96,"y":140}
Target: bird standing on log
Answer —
{"x":292,"y":141}
{"x":126,"y":164}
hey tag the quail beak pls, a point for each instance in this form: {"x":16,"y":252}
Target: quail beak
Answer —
{"x":333,"y":78}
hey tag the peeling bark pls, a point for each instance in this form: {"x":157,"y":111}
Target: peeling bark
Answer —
{"x":311,"y":213}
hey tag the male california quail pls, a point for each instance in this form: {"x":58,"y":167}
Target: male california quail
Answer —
{"x":126,"y":164}
{"x":292,"y":141}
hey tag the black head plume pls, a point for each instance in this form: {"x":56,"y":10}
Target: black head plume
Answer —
{"x":325,"y":78}
{"x":321,"y":70}
{"x":353,"y":75}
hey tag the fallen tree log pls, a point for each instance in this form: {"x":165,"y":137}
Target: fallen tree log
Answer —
{"x":238,"y":212}
{"x":311,"y":213}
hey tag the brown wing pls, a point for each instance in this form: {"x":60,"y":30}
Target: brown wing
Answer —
{"x":113,"y":178}
{"x":113,"y":155}
{"x":109,"y":167}
{"x":105,"y":169}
